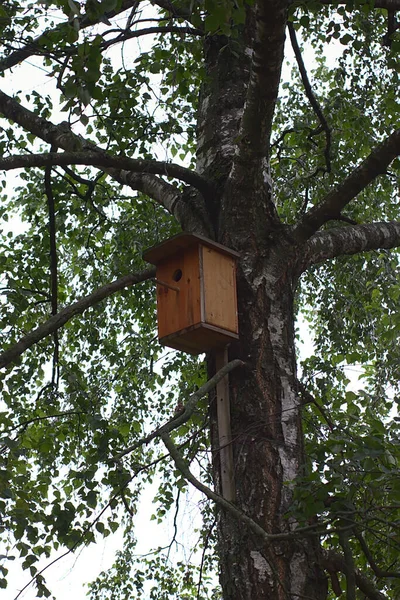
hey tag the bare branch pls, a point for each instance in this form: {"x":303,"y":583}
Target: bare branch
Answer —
{"x":58,"y":320}
{"x":128,"y":35}
{"x":311,"y":97}
{"x":102,"y":159}
{"x":187,"y":411}
{"x":350,"y":240}
{"x":231,"y":508}
{"x":334,"y":202}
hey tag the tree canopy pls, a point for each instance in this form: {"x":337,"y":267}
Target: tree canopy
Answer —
{"x":271,"y":127}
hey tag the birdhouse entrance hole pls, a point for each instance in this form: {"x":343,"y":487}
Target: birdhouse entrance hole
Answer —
{"x":177,"y":276}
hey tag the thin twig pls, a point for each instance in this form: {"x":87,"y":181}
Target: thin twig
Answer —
{"x":311,"y":97}
{"x":53,"y":262}
{"x":183,"y":415}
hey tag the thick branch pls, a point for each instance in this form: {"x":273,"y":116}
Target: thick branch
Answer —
{"x":334,"y":202}
{"x":350,"y":240}
{"x":102,"y":159}
{"x":58,"y":320}
{"x":262,"y":91}
{"x":184,"y":415}
{"x":62,"y":137}
{"x":187,"y":207}
{"x":335,"y":562}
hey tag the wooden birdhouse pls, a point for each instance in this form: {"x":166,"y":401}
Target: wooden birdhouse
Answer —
{"x":196,"y":293}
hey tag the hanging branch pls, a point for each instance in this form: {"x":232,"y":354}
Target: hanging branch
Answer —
{"x":58,"y":320}
{"x":53,"y":261}
{"x":311,"y":97}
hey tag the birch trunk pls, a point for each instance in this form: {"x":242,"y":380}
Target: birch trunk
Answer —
{"x":265,"y":406}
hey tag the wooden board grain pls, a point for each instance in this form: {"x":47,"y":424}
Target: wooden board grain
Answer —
{"x":219,"y":289}
{"x":178,"y":310}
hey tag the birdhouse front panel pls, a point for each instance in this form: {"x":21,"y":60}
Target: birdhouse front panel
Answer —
{"x":181,"y":308}
{"x":196,"y":293}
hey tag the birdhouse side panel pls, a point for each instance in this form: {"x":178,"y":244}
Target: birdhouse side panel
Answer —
{"x":219,"y":280}
{"x":180,"y":309}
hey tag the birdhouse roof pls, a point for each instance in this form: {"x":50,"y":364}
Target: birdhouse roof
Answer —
{"x":179,"y":243}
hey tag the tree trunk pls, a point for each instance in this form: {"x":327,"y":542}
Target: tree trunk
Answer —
{"x":267,"y":447}
{"x":265,"y":407}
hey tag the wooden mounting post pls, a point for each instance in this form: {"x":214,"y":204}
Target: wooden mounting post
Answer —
{"x":224,"y":429}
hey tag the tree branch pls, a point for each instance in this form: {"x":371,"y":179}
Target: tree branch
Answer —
{"x":348,"y":559}
{"x":187,"y":411}
{"x":310,"y":95}
{"x":334,"y":202}
{"x":368,"y":555}
{"x":192,"y":217}
{"x":102,"y":159}
{"x":37,"y":47}
{"x":262,"y":91}
{"x":187,"y":207}
{"x":58,"y":320}
{"x":353,"y":239}
{"x":175,"y":11}
{"x":53,"y":261}
{"x":332,"y":561}
{"x":128,"y":35}
{"x":231,"y":508}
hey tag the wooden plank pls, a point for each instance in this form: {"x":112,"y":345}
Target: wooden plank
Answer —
{"x":224,"y":429}
{"x":220,"y":301}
